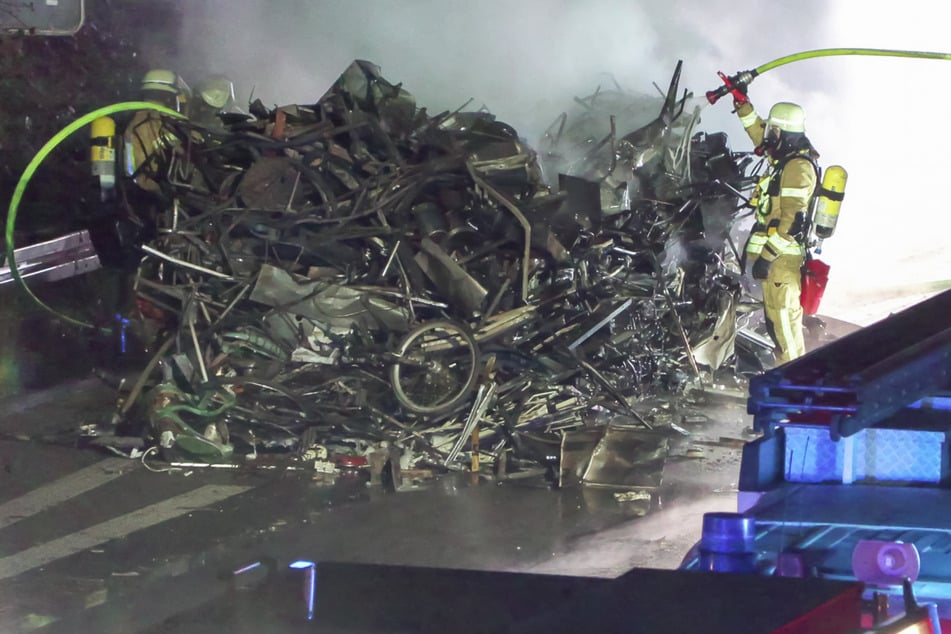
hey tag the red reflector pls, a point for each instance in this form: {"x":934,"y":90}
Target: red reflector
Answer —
{"x":351,"y":461}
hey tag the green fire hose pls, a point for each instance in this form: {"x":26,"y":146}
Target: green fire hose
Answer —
{"x":31,"y":168}
{"x":742,"y":79}
{"x":830,"y":52}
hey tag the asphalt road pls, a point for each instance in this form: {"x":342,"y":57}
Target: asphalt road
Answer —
{"x":94,"y":542}
{"x":99,"y":543}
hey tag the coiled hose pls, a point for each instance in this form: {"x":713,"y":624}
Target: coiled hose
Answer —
{"x":27,"y":175}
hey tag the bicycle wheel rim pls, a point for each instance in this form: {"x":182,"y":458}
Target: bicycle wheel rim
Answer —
{"x":437,"y":368}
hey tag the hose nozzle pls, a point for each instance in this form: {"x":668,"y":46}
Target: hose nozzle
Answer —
{"x":735,"y":84}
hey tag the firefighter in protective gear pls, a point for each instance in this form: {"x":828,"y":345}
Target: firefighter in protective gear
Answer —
{"x":213,"y":95}
{"x":776,"y":246}
{"x":148,"y":139}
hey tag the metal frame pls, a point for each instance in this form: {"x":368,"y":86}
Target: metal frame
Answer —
{"x":43,"y":17}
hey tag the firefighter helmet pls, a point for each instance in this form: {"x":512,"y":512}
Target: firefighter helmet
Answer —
{"x":786,"y":117}
{"x":166,"y":81}
{"x":217,"y":91}
{"x":160,"y":80}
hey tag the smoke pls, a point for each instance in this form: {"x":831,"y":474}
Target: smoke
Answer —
{"x":525,"y":61}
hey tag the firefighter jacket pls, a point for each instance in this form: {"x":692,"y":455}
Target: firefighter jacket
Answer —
{"x":148,"y":145}
{"x":785,"y":194}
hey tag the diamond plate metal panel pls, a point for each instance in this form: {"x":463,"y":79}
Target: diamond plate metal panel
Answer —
{"x":898,"y":455}
{"x":811,"y":456}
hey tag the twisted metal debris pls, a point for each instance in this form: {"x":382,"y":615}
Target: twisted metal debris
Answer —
{"x":358,"y":274}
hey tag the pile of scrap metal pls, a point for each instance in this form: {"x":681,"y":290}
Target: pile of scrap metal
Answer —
{"x":357,"y":274}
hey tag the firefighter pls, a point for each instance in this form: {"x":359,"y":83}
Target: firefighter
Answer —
{"x":776,"y":246}
{"x":148,"y":139}
{"x":213,"y":95}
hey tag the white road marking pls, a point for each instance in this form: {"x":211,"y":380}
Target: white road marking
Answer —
{"x":65,"y":488}
{"x":112,"y":529}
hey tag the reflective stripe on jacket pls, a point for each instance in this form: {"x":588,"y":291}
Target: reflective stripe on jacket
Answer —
{"x":754,"y":246}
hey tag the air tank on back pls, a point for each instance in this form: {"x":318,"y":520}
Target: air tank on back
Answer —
{"x":831,"y":193}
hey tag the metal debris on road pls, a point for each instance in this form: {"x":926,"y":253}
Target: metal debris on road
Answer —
{"x":357,"y":277}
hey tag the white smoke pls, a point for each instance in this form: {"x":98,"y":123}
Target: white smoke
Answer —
{"x":526,"y":60}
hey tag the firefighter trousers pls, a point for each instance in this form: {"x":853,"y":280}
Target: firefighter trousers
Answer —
{"x":781,"y":290}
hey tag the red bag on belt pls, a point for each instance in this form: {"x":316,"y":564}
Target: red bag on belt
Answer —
{"x":815,"y":276}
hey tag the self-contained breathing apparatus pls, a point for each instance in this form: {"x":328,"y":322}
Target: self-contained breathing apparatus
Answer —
{"x":102,"y":141}
{"x":818,"y":224}
{"x":823,"y":216}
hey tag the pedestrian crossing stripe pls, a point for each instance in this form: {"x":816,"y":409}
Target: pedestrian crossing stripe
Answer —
{"x":93,"y":536}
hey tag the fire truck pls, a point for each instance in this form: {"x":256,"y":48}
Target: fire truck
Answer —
{"x":850,"y":476}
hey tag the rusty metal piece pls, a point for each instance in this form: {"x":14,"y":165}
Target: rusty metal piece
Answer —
{"x":271,"y":183}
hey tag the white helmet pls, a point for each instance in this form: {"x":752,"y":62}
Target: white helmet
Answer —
{"x":787,"y":117}
{"x":160,"y":80}
{"x":217,"y":91}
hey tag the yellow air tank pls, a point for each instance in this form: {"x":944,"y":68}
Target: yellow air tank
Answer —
{"x":829,"y":201}
{"x":103,"y":153}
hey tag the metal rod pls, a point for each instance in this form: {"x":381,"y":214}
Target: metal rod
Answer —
{"x":483,"y":398}
{"x":614,"y":313}
{"x":198,"y":352}
{"x":183,"y":263}
{"x":144,"y":376}
{"x":389,"y":260}
{"x":677,"y":321}
{"x":526,"y":226}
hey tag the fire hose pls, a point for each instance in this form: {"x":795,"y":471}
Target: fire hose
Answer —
{"x":736,"y":83}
